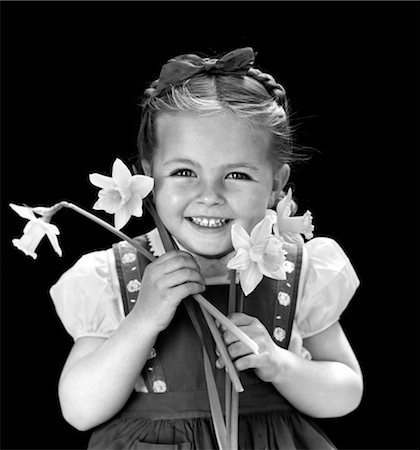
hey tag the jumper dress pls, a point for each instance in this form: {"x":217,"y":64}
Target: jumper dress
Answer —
{"x":175,"y":412}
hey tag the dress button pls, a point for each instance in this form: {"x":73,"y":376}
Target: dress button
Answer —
{"x":159,"y":386}
{"x":279,"y":334}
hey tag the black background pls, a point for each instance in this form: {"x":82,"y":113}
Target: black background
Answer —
{"x":71,"y":76}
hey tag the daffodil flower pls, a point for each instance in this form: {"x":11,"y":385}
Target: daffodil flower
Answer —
{"x":34,"y":231}
{"x":296,"y":224}
{"x":258,"y":254}
{"x":122,"y":194}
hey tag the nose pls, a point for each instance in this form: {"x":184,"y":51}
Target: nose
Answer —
{"x":210,"y":194}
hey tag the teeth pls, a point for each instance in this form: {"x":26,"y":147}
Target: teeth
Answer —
{"x":211,"y":222}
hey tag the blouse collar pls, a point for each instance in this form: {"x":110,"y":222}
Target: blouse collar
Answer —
{"x":214,"y":271}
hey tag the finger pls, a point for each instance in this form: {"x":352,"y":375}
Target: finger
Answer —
{"x":238,"y":349}
{"x":246,"y":362}
{"x":251,"y":330}
{"x":177,"y":262}
{"x":167,"y":256}
{"x":173,"y":254}
{"x":241,"y":319}
{"x":220,"y":363}
{"x":184,"y":290}
{"x":182,"y":276}
{"x":229,"y":337}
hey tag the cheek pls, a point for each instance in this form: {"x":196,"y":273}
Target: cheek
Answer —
{"x":169,"y":200}
{"x":253,"y":198}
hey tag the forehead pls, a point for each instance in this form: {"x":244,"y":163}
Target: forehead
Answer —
{"x":219,"y":136}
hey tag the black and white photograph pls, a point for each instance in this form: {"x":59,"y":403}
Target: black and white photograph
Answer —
{"x":209,"y":225}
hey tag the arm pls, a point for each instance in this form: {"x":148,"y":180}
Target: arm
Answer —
{"x":329,"y":385}
{"x":100,"y":374}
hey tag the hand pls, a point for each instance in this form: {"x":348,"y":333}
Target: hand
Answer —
{"x":267,"y":364}
{"x":166,"y":281}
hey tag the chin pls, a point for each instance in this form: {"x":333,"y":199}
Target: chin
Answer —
{"x":209,"y":251}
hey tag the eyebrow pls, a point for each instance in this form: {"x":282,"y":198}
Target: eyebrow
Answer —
{"x":227,"y":166}
{"x":179,"y":161}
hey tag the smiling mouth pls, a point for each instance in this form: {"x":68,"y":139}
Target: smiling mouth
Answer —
{"x":209,"y":222}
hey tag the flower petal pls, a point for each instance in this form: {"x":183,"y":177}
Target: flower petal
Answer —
{"x":141,"y":185}
{"x":250,"y":278}
{"x":101,"y":181}
{"x":240,"y":238}
{"x":51,"y":228}
{"x":275,"y":271}
{"x":110,"y":200}
{"x":54,"y":242}
{"x":23,"y":211}
{"x":272,"y":215}
{"x":42,"y":225}
{"x":135,"y":206}
{"x":262,"y":230}
{"x":300,"y":224}
{"x":293,"y":238}
{"x":122,"y":216}
{"x":44,"y":211}
{"x":30,"y":239}
{"x":284,"y":206}
{"x":240,"y":261}
{"x":121,"y":174}
{"x":21,"y":245}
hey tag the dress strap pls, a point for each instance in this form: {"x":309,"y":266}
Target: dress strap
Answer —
{"x":287,"y":290}
{"x":130,"y":268}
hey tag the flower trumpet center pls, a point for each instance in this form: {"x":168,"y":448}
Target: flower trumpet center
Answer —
{"x":256,"y":253}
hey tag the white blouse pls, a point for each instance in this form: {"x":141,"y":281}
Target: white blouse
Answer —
{"x":88,"y":301}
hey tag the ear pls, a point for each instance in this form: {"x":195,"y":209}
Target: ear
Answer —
{"x":281,"y":177}
{"x":147,"y":167}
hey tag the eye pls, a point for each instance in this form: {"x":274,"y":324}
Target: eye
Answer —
{"x":182,"y":173}
{"x":238,"y":176}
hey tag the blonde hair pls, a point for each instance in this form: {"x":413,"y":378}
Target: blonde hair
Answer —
{"x":255,"y":98}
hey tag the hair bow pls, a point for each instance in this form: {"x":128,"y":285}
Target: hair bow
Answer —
{"x":183,"y":67}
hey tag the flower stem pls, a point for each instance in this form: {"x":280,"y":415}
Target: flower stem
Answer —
{"x":168,"y":244}
{"x":199,"y":298}
{"x":223,"y":351}
{"x":110,"y":228}
{"x":252,"y":345}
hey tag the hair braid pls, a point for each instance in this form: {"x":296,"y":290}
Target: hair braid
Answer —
{"x":150,"y":91}
{"x":276,"y":90}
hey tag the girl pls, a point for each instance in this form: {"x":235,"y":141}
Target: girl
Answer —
{"x":214,"y":135}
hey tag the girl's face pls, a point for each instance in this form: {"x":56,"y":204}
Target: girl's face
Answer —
{"x":211,"y":172}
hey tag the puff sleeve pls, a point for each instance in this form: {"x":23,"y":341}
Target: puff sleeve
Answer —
{"x":328,"y":284}
{"x":87,"y":297}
